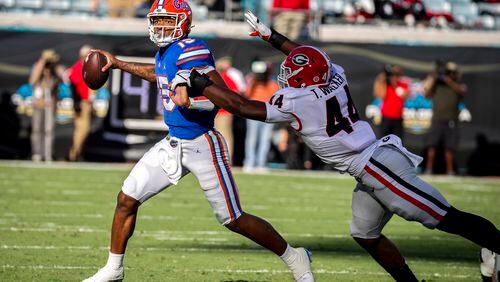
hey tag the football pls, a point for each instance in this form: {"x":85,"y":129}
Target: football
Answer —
{"x":91,"y":71}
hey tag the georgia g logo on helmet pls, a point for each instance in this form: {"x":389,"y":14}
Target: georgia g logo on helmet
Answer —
{"x":300,"y":60}
{"x":305,"y":66}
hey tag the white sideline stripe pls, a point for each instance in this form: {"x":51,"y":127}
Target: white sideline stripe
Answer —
{"x":236,"y":248}
{"x":175,"y":205}
{"x":266,"y":271}
{"x":165,"y":217}
{"x":38,"y":267}
{"x":274,"y":172}
{"x":167,"y":235}
{"x":194,"y":53}
{"x":86,"y":248}
{"x":57,"y":215}
{"x":172,"y":204}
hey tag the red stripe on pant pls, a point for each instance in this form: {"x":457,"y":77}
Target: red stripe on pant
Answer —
{"x":403,"y":195}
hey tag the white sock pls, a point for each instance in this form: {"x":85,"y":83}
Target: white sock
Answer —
{"x":289,"y":255}
{"x":115,"y":260}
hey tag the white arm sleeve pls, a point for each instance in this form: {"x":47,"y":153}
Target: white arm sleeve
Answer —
{"x":275,"y":115}
{"x":201,"y":104}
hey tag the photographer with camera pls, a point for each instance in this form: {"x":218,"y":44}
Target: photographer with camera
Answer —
{"x":446,"y":91}
{"x":44,"y":79}
{"x":393,"y":91}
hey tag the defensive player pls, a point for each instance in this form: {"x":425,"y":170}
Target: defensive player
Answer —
{"x":192,"y":146}
{"x":314,"y":99}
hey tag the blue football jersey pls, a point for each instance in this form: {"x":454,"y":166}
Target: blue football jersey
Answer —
{"x":187,"y":53}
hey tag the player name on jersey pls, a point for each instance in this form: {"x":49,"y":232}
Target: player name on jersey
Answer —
{"x":336,"y":82}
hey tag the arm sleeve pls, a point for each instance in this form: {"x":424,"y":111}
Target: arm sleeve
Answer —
{"x":278,"y":109}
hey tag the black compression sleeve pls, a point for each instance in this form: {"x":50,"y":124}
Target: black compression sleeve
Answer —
{"x":470,"y":226}
{"x":277,"y":39}
{"x":199,"y":81}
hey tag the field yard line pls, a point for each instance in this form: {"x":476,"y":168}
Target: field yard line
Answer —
{"x":176,"y":205}
{"x":161,"y":217}
{"x":37,"y":267}
{"x":68,"y":165}
{"x":10,"y":215}
{"x":162,"y":235}
{"x":155,"y":249}
{"x":49,"y":229}
{"x":55,"y":215}
{"x":286,"y":173}
{"x":236,"y":248}
{"x":266,"y":271}
{"x":50,"y":247}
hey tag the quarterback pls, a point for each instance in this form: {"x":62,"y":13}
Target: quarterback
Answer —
{"x":314,"y":99}
{"x":193,"y":145}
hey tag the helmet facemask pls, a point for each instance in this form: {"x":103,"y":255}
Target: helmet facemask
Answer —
{"x":286,"y":74}
{"x":283,"y":76}
{"x":165,"y":28}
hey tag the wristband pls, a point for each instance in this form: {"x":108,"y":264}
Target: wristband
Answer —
{"x":277,"y":39}
{"x":199,"y":81}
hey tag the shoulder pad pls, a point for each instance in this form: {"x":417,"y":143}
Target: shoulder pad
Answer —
{"x":337,"y":68}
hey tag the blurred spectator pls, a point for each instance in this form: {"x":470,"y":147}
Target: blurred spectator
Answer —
{"x":214,"y":5}
{"x":82,"y":105}
{"x":123,"y":8}
{"x":483,"y":161}
{"x":290,"y":16}
{"x":258,"y":7}
{"x":11,"y":126}
{"x":45,"y":77}
{"x":446,"y":91}
{"x":142,"y":9}
{"x":258,"y":139}
{"x":295,"y":152}
{"x":393,"y":91}
{"x":94,"y":6}
{"x":235,"y":80}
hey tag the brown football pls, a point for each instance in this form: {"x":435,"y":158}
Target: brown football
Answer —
{"x":91,"y":71}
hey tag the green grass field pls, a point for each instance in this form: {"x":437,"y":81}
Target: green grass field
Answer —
{"x":55,"y":222}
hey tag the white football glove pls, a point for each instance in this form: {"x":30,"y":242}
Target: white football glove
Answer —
{"x":181,"y":78}
{"x":259,"y":29}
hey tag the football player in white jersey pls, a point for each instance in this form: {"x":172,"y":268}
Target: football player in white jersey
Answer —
{"x":315,"y":100}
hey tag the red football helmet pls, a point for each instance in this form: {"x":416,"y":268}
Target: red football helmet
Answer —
{"x":305,"y":66}
{"x":178,"y":11}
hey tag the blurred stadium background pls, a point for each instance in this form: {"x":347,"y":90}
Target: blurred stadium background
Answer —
{"x":360,"y":35}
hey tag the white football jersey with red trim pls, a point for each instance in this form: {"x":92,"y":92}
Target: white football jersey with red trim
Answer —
{"x":326,"y":119}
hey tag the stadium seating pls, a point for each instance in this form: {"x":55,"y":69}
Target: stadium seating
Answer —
{"x":470,"y":14}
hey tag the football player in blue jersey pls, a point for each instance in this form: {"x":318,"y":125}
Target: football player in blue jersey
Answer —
{"x":193,"y":145}
{"x":315,"y":101}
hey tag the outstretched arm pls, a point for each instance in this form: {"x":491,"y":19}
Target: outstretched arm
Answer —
{"x":274,"y":38}
{"x":219,"y":95}
{"x":234,"y":103}
{"x":144,"y":71}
